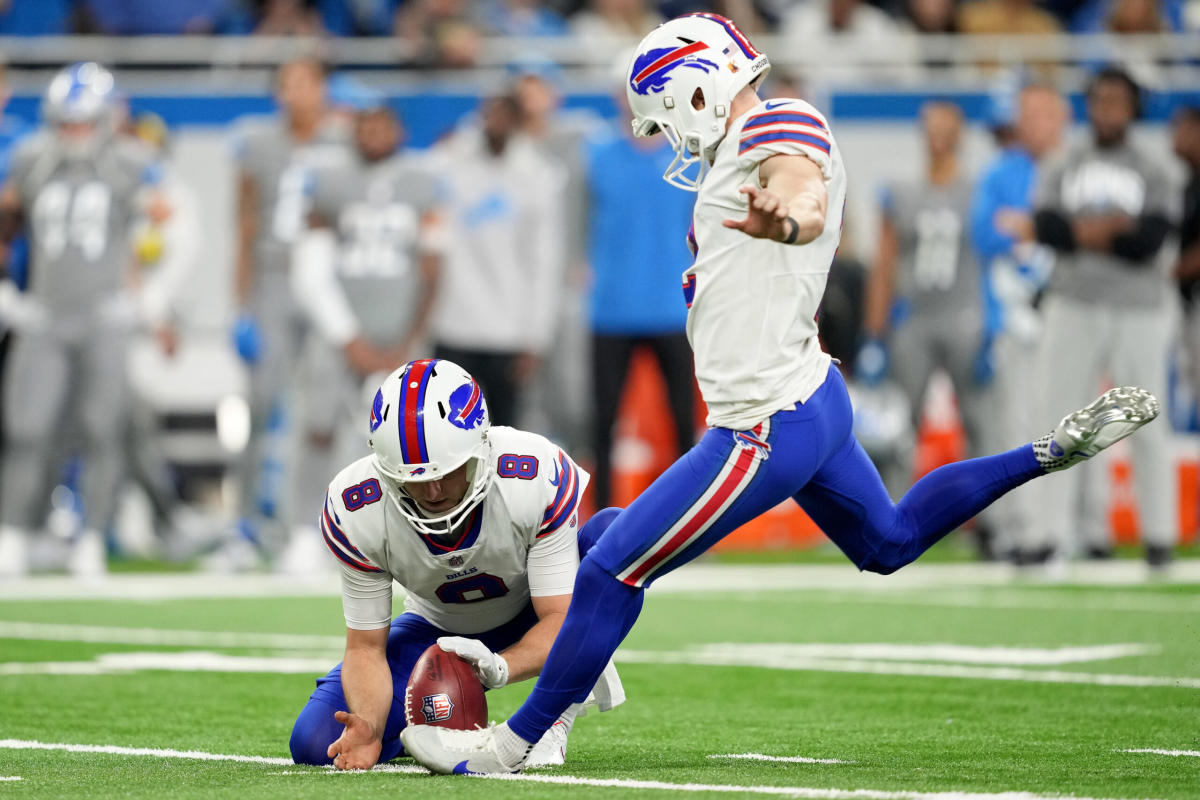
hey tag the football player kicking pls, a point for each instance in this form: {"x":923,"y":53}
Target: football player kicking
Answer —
{"x":480,"y":526}
{"x":766,"y":224}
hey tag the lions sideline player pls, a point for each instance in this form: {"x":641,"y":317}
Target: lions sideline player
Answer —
{"x":479,"y":524}
{"x":78,"y":189}
{"x":768,"y":216}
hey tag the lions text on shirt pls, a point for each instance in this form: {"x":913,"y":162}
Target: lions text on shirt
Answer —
{"x":753,"y":302}
{"x":519,"y":542}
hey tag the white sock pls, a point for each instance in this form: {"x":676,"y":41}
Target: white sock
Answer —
{"x":511,"y":748}
{"x":568,"y":717}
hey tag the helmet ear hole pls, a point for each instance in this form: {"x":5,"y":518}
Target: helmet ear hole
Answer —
{"x":698,"y":99}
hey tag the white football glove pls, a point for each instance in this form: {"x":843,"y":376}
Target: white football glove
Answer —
{"x":491,"y":668}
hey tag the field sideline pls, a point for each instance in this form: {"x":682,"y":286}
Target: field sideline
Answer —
{"x":943,"y":682}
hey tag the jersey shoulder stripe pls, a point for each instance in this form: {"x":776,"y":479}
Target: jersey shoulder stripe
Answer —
{"x":783,"y":134}
{"x":332,"y":522}
{"x":344,"y":553}
{"x":565,"y":500}
{"x":783,"y":116}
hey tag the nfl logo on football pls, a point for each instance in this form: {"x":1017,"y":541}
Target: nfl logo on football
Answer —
{"x":436,"y":707}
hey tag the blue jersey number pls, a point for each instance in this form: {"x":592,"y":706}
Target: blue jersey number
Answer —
{"x":523,"y":467}
{"x":473,"y":589}
{"x":361,"y":495}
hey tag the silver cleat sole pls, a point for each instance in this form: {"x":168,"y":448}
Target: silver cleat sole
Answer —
{"x":1109,"y":418}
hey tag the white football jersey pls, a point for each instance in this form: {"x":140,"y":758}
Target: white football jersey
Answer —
{"x":483,"y":578}
{"x":753,"y":302}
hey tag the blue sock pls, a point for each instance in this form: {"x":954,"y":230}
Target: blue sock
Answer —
{"x":602,"y":611}
{"x":949,"y":496}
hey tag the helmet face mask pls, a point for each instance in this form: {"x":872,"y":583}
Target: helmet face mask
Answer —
{"x":428,"y":419}
{"x":682,"y":79}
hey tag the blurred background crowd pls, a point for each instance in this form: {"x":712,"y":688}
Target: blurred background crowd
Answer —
{"x":214,"y":248}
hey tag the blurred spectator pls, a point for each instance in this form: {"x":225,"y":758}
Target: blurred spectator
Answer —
{"x":560,"y":401}
{"x":36,"y":17}
{"x":1017,"y":269}
{"x":1135,"y":16}
{"x":636,"y":247}
{"x":1005,"y":16}
{"x":275,"y":157}
{"x":521,"y":18}
{"x":1187,"y":269}
{"x":1105,"y":207}
{"x":359,"y":17}
{"x":365,"y":274}
{"x":13,"y":250}
{"x":166,"y":248}
{"x":844,"y":18}
{"x":288,"y":18}
{"x":439,"y":32}
{"x":924,"y":297}
{"x":608,"y":18}
{"x":499,"y":299}
{"x":154,"y":17}
{"x":844,"y":26}
{"x":931,"y":16}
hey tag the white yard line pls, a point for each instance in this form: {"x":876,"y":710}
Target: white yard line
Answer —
{"x":111,"y":749}
{"x":1192,"y":753}
{"x":902,"y":668}
{"x":11,"y":778}
{"x":101,"y":634}
{"x":187,"y":661}
{"x":779,"y":759}
{"x":747,"y":652}
{"x":808,"y":793}
{"x":1097,"y":599}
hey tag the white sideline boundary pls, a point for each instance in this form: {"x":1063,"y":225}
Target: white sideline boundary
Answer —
{"x":1152,"y":751}
{"x":803,"y":792}
{"x":778,"y":759}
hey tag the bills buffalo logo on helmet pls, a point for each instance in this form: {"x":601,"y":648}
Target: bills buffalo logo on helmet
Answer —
{"x":467,"y":408}
{"x":652,"y":69}
{"x":436,"y":707}
{"x":377,"y":411}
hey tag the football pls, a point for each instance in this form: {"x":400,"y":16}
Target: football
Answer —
{"x":443,"y":690}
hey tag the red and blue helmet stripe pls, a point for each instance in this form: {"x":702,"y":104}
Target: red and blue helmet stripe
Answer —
{"x":738,"y":37}
{"x":411,"y":418}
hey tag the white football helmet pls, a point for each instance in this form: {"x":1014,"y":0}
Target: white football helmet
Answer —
{"x":427,"y":420}
{"x":704,"y":52}
{"x":81,"y":93}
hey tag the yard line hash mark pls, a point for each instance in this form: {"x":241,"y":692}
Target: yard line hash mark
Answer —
{"x":1192,"y":753}
{"x":781,"y":759}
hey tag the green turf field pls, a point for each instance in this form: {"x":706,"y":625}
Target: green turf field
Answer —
{"x":1032,"y":688}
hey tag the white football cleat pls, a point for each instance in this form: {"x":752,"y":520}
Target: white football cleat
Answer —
{"x":1100,"y":424}
{"x":88,"y":557}
{"x":14,"y":552}
{"x":451,"y":752}
{"x":551,"y":749}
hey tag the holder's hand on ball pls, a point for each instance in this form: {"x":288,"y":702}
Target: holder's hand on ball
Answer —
{"x":491,"y":668}
{"x":359,"y":745}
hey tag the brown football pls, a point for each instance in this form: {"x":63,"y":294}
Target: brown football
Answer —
{"x":443,"y":690}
